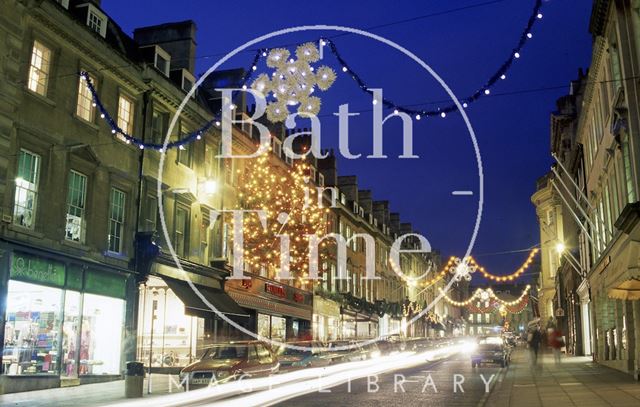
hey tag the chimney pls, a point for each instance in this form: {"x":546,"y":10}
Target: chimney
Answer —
{"x":381,"y":212}
{"x":394,"y":222}
{"x":364,"y":199}
{"x":178,"y":39}
{"x":349,"y":186}
{"x":328,"y":168}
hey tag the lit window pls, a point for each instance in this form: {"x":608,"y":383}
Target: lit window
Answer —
{"x":26,"y":198}
{"x":85,"y":108}
{"x":125,"y":115}
{"x":76,"y":199}
{"x":116,"y":220}
{"x":39,"y":69}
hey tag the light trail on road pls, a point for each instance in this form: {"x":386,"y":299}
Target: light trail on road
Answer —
{"x":269,"y":390}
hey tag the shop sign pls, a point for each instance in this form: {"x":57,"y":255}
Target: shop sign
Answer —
{"x":37,"y":270}
{"x":105,"y":283}
{"x":297,"y":297}
{"x":559,"y":312}
{"x":276,"y":290}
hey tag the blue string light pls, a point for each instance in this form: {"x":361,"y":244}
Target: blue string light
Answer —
{"x":484,"y":90}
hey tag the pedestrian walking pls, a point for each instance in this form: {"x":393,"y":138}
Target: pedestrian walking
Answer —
{"x":533,"y":340}
{"x":556,"y":342}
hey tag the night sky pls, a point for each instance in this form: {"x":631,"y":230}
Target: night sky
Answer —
{"x":464,"y":42}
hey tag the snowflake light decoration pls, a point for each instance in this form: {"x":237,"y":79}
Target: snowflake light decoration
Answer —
{"x":463,"y":269}
{"x":293,"y":81}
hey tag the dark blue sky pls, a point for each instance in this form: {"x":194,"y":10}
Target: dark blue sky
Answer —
{"x":464,"y":47}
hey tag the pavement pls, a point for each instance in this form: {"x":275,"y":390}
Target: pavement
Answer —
{"x":97,"y":394}
{"x":576,"y":381}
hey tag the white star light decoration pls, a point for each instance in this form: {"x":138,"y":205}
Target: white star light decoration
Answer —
{"x":293,"y":81}
{"x":463,"y":270}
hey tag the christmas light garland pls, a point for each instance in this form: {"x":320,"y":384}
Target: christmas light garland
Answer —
{"x":313,"y":103}
{"x":509,"y":277}
{"x":427,"y":283}
{"x":485,"y":295}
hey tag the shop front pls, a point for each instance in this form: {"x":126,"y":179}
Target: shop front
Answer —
{"x":279,"y":312}
{"x":175,"y":324}
{"x":326,"y":319}
{"x":63,"y":323}
{"x":358,"y":324}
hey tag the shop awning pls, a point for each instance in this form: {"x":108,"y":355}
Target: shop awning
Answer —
{"x":628,"y":290}
{"x":194,"y":305}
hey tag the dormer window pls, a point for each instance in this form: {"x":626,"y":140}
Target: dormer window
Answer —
{"x":188,"y":81}
{"x":96,"y":19}
{"x":162,"y":61}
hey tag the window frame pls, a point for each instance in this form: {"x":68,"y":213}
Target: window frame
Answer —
{"x":28,"y":189}
{"x":117,"y":222}
{"x":130,"y":121}
{"x":44,"y":69}
{"x":83,"y":96}
{"x":183,"y":250}
{"x":82,"y":209}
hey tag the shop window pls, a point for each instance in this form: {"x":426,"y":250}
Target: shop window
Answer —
{"x":85,"y":108}
{"x":76,"y":199}
{"x":101,"y":337}
{"x":26,"y":196}
{"x":70,"y":332}
{"x":39,"y":68}
{"x":264,"y":356}
{"x":32,"y":329}
{"x":272,"y":327}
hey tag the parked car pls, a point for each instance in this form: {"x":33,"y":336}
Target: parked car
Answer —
{"x":491,"y":349}
{"x":353,"y":353}
{"x":229,"y":361}
{"x":292,"y":358}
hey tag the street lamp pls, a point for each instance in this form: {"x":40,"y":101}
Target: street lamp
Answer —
{"x":561,"y":249}
{"x":210,"y":186}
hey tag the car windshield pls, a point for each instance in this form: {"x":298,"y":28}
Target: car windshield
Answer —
{"x":225,"y":352}
{"x":286,"y":350}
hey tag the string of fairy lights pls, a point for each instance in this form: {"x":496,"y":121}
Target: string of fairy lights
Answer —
{"x":322,"y":79}
{"x":485,"y":294}
{"x":463,"y":268}
{"x":510,"y":277}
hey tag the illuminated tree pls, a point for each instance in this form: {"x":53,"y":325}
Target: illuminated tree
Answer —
{"x":289,"y":199}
